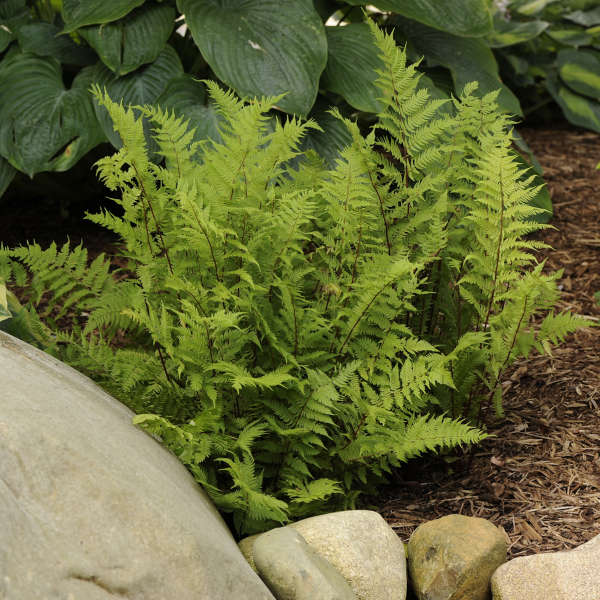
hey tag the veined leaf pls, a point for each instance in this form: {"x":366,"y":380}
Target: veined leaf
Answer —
{"x":578,"y":109}
{"x":78,"y":13}
{"x":43,"y":126}
{"x":331,"y":141}
{"x":586,"y":18}
{"x":468,"y":59}
{"x":261,"y":47}
{"x":570,"y":36}
{"x":135,"y":40}
{"x":44,"y":39}
{"x":580,"y":70}
{"x":187,"y":97}
{"x":534,"y":7}
{"x":507,"y":33}
{"x":7,"y":172}
{"x":141,"y":87}
{"x":352,"y":62}
{"x":13,"y":14}
{"x":470,"y":18}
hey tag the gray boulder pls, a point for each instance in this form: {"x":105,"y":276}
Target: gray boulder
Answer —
{"x":363,"y":548}
{"x":294,"y":571}
{"x":453,"y":558}
{"x":92,"y":508}
{"x":570,"y":575}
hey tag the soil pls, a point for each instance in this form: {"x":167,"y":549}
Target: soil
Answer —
{"x":538,"y":477}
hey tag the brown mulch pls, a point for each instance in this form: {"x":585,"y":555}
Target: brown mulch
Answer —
{"x":539,"y":476}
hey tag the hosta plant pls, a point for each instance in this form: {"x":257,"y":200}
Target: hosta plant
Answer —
{"x":317,"y":52}
{"x":291,"y":331}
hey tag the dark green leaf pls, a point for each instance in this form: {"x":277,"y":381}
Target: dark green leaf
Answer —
{"x":43,"y":39}
{"x":351,"y":66}
{"x":43,"y":126}
{"x":331,"y":141}
{"x":141,"y":87}
{"x":13,"y":14}
{"x":325,"y":8}
{"x":187,"y":97}
{"x":534,"y":7}
{"x":78,"y":13}
{"x":578,"y":109}
{"x":7,"y":172}
{"x":135,"y":40}
{"x":460,"y":17}
{"x":580,"y":70}
{"x":587,"y":18}
{"x":507,"y":33}
{"x":262,"y":47}
{"x":570,"y":36}
{"x":468,"y":59}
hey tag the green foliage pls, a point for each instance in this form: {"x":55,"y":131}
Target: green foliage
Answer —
{"x":317,"y":54}
{"x":293,"y":331}
{"x":548,"y":52}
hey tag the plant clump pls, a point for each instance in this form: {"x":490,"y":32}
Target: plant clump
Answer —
{"x":293,"y":332}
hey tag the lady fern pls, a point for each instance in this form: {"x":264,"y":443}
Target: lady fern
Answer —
{"x":292,"y":333}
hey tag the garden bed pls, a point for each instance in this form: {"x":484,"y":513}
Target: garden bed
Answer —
{"x":539,"y":476}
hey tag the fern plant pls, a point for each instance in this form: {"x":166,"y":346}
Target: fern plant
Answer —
{"x":292,"y":332}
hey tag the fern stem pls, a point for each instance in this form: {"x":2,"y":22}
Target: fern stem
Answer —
{"x":362,"y":314}
{"x":156,"y":223}
{"x":381,"y":208}
{"x":202,"y":228}
{"x":505,"y":363}
{"x":497,"y":260}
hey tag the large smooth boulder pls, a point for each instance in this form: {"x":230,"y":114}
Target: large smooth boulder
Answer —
{"x":453,"y":558}
{"x":294,"y":571}
{"x":569,"y":575}
{"x":92,"y":508}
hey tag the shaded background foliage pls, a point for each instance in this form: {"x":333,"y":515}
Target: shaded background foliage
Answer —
{"x":540,"y":53}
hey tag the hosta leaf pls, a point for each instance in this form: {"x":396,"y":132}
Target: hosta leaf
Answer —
{"x":570,"y":36}
{"x":7,"y":172}
{"x":187,"y":97}
{"x":329,"y":142}
{"x":579,"y":110}
{"x":585,"y":18}
{"x":460,"y":17}
{"x":580,"y":70}
{"x":43,"y":39}
{"x":13,"y":14}
{"x":78,"y":13}
{"x":43,"y":126}
{"x":534,"y":7}
{"x":352,"y":62}
{"x":141,"y":87}
{"x":507,"y":33}
{"x":468,"y":59}
{"x":135,"y":40}
{"x":262,"y":47}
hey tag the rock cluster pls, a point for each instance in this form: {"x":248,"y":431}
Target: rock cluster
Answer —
{"x":92,"y":508}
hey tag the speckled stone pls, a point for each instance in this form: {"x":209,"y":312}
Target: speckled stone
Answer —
{"x":453,"y":558}
{"x":363,"y":548}
{"x":294,"y":571}
{"x":570,"y":575}
{"x":360,"y":545}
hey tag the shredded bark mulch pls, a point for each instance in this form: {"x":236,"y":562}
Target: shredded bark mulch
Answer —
{"x":539,"y":476}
